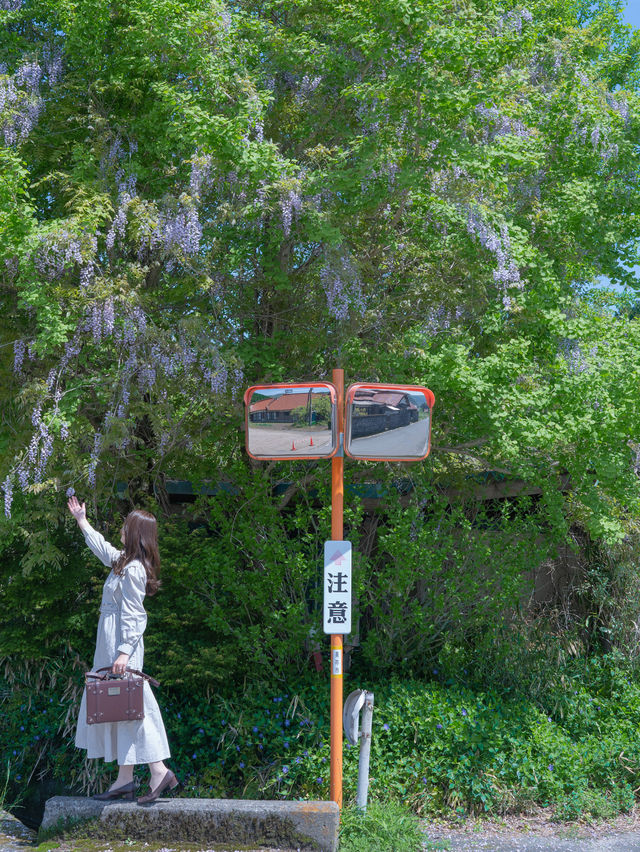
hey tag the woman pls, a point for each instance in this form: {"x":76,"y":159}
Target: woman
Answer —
{"x":119,"y":645}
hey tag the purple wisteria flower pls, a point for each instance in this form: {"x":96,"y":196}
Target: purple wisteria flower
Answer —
{"x":499,"y":244}
{"x":23,"y":476}
{"x":200,"y":174}
{"x":20,"y":101}
{"x":620,"y":105}
{"x":342,"y":285}
{"x":499,"y":124}
{"x":126,"y":195}
{"x":58,"y":252}
{"x":290,"y":203}
{"x":29,"y":75}
{"x":225,"y":19}
{"x":572,"y":353}
{"x":52,"y":59}
{"x":514,"y":20}
{"x":182,"y":231}
{"x":307,"y":87}
{"x":19,"y":350}
{"x":7,"y":488}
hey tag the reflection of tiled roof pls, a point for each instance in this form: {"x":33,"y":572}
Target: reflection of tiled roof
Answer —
{"x":285,"y":402}
{"x":260,"y":406}
{"x":371,"y":397}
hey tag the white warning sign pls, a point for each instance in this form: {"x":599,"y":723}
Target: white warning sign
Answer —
{"x":337,"y":587}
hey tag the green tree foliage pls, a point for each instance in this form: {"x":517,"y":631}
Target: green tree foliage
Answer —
{"x":196,"y":197}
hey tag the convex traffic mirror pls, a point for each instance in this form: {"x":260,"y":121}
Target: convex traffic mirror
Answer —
{"x":388,"y":422}
{"x":291,"y":421}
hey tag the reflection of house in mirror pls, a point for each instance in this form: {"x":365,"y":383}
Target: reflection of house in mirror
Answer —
{"x":292,"y":407}
{"x":376,"y":411}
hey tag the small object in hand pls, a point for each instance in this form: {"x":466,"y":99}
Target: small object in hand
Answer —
{"x":108,"y":702}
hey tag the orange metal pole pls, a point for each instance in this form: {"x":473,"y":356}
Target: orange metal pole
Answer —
{"x":337,"y":504}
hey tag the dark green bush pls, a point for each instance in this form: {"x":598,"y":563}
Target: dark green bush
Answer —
{"x":497,"y":712}
{"x":436,"y":746}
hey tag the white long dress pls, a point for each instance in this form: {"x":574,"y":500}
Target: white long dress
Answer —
{"x":120,"y":628}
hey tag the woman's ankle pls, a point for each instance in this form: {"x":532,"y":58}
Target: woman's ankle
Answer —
{"x":124,"y":777}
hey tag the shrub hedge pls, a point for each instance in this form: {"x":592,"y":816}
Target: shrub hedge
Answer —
{"x":437,"y":745}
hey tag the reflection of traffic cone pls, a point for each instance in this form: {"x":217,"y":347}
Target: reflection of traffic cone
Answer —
{"x":311,"y":442}
{"x":293,"y":446}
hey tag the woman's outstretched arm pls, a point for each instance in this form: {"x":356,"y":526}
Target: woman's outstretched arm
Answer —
{"x":105,"y":552}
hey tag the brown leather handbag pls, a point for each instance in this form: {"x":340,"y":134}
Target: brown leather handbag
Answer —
{"x":115,"y":698}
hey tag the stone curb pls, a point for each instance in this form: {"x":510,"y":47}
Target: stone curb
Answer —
{"x":309,"y":826}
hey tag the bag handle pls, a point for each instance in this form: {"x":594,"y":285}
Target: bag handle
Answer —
{"x":98,"y":676}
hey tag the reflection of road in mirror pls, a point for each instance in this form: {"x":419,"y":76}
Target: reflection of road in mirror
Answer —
{"x":402,"y":442}
{"x":267,"y":440}
{"x":294,"y":422}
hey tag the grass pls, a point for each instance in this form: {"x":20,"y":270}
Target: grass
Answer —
{"x":383,"y":827}
{"x":3,"y":790}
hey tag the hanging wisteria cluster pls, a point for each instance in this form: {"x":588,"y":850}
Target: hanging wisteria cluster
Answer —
{"x":499,"y":124}
{"x":225,"y":18}
{"x":506,"y":274}
{"x":149,"y":359}
{"x":619,"y":104}
{"x":290,"y":204}
{"x":513,"y":21}
{"x":388,"y":170}
{"x":440,"y":319}
{"x":597,"y":133}
{"x":573,"y":354}
{"x":21,"y":100}
{"x":58,"y":252}
{"x":598,"y":137}
{"x":255,"y":120}
{"x":341,"y":284}
{"x":307,"y":87}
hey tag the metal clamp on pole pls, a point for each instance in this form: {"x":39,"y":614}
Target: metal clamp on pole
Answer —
{"x":360,"y":700}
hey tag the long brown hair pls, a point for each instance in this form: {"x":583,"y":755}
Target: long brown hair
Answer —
{"x":140,"y":531}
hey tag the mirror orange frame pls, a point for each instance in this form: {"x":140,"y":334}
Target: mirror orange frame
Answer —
{"x":350,"y":395}
{"x":294,"y":453}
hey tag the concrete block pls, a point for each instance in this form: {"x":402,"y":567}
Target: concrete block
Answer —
{"x":311,"y":826}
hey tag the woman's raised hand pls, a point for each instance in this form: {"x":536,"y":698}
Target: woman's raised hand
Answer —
{"x":77,"y":509}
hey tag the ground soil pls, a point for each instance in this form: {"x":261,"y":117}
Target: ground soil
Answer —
{"x":536,"y":830}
